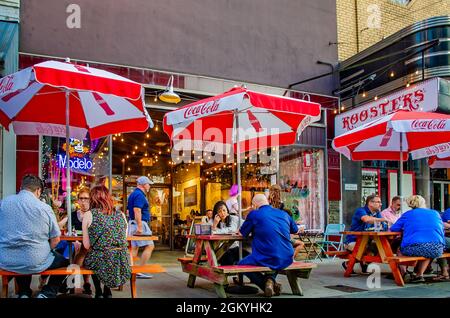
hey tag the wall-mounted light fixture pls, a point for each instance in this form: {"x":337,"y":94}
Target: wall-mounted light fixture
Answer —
{"x":169,"y":96}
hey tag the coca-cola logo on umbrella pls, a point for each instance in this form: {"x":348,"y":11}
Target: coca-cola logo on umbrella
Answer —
{"x":433,"y":124}
{"x":202,"y":109}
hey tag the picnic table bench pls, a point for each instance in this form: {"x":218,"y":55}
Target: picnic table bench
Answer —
{"x":70,"y":270}
{"x":204,"y":264}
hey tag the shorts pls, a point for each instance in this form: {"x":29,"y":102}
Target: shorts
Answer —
{"x":132,"y":228}
{"x":428,"y":250}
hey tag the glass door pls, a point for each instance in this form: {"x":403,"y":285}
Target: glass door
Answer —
{"x":441,"y":199}
{"x":160,"y":207}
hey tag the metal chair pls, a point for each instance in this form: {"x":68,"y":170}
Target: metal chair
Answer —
{"x":332,"y":230}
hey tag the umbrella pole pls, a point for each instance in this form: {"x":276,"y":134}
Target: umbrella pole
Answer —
{"x":238,"y":157}
{"x":68,"y":190}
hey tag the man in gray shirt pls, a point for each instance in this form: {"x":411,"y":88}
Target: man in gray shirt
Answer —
{"x":28,"y":233}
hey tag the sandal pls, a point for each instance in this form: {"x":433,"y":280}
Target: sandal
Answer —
{"x":441,"y":278}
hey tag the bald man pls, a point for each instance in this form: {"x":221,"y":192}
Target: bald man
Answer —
{"x":271,"y":245}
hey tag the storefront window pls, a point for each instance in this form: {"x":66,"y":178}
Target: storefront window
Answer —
{"x":88,"y":162}
{"x":301,"y":177}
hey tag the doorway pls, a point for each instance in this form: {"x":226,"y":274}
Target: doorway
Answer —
{"x":160,"y":206}
{"x":440,"y":197}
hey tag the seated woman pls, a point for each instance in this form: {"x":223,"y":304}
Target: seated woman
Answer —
{"x":105,"y":238}
{"x":225,"y":223}
{"x":274,"y":198}
{"x":423,"y":234}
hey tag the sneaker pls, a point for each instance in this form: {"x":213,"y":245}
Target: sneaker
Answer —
{"x":344,"y":265}
{"x":277,"y":289}
{"x":143,"y":276}
{"x":364,"y":268}
{"x":268,"y":290}
{"x":417,"y":280}
{"x":23,"y":296}
{"x":41,"y":295}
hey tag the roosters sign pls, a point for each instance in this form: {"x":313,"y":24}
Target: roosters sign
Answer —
{"x":420,"y":97}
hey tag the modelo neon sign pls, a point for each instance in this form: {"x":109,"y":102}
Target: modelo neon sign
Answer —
{"x":75,"y":163}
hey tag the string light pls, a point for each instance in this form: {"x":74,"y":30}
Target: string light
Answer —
{"x":159,"y":152}
{"x":335,"y":111}
{"x":342,"y":108}
{"x":392,"y":74}
{"x":122,"y":140}
{"x":364,"y":94}
{"x":148,"y":135}
{"x":408,"y":85}
{"x":375,"y":98}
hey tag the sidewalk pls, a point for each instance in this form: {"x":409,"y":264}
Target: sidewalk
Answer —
{"x":326,"y":280}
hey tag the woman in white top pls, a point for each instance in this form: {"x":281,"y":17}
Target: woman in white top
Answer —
{"x":226,"y":223}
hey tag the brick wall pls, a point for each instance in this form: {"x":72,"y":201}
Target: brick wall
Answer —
{"x":362,"y":23}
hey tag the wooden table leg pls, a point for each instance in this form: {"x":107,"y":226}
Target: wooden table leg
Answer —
{"x":358,"y":251}
{"x":220,"y":290}
{"x":386,"y":250}
{"x":293,"y":282}
{"x":5,"y":280}
{"x":133,"y":286}
{"x":191,"y":281}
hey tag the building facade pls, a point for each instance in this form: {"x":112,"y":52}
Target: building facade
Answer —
{"x":409,"y":69}
{"x":208,"y":48}
{"x":362,"y":23}
{"x":9,"y":61}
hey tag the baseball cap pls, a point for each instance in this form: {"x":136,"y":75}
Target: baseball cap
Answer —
{"x":143,"y":180}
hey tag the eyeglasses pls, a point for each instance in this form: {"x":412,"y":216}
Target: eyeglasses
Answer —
{"x":83,"y":199}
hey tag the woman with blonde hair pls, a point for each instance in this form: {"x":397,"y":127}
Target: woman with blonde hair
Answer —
{"x":275,"y":201}
{"x":423,"y":234}
{"x":105,"y":238}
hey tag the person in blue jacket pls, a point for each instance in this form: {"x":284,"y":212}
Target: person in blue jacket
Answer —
{"x":271,"y":245}
{"x":423,"y":234}
{"x":443,"y":263}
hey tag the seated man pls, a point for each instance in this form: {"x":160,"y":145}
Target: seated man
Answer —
{"x":271,"y":245}
{"x":362,"y":218}
{"x":28,"y":233}
{"x":443,"y":262}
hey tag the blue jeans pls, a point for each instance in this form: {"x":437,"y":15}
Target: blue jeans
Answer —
{"x":51,"y":289}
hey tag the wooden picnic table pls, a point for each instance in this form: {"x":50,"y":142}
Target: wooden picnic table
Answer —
{"x":382,"y":240}
{"x":129,"y":239}
{"x":213,"y":246}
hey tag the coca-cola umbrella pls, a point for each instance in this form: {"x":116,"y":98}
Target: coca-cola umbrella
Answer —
{"x":395,"y":136}
{"x":67,"y":100}
{"x":441,"y":161}
{"x":238,"y":121}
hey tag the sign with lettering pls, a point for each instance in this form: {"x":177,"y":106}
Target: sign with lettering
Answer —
{"x":418,"y":97}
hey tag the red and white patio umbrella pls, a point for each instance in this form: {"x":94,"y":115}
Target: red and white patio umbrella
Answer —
{"x":67,"y":100}
{"x":441,"y":161}
{"x":238,"y":121}
{"x":395,"y":136}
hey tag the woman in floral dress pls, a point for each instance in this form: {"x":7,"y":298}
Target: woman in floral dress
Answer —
{"x":105,"y":238}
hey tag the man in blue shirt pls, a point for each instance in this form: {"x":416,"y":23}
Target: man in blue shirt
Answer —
{"x":28,"y":234}
{"x":363,"y":218}
{"x":271,"y":245}
{"x":139,"y":216}
{"x":443,"y":264}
